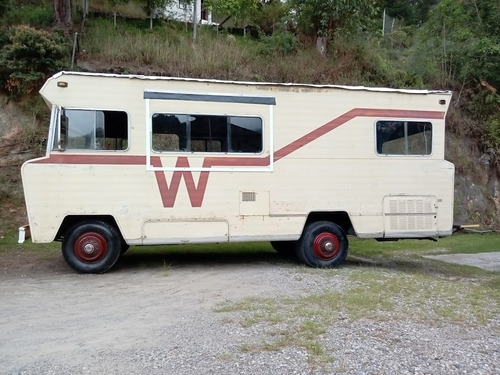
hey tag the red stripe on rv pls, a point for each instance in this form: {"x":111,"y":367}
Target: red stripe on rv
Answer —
{"x":196,"y":192}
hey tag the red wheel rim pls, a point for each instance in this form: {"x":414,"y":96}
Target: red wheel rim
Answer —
{"x":91,"y":247}
{"x":326,"y":246}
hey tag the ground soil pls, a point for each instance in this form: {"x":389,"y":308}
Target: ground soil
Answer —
{"x":157,"y":313}
{"x":56,"y":321}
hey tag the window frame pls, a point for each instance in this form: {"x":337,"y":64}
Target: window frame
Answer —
{"x":263,"y":102}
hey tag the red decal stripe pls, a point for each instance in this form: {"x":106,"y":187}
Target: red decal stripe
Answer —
{"x":196,"y":192}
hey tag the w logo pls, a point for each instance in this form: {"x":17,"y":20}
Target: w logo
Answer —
{"x":169,"y":193}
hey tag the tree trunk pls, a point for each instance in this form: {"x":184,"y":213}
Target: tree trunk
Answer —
{"x":62,"y":12}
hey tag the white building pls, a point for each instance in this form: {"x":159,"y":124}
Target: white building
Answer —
{"x":181,"y":11}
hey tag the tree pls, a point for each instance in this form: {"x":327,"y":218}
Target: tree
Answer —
{"x":62,"y":12}
{"x":153,"y":6}
{"x":464,"y":39}
{"x":240,"y":10}
{"x":114,"y":4}
{"x":461,"y":41}
{"x":271,"y":15}
{"x":28,"y":56}
{"x":324,"y":18}
{"x":412,"y":12}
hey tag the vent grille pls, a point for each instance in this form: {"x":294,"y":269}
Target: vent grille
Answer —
{"x":410,"y":214}
{"x":409,"y":206}
{"x":248,"y":196}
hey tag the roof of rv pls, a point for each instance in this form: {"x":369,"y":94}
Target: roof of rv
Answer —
{"x":160,"y":78}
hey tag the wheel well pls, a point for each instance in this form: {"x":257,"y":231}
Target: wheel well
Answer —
{"x":340,"y":218}
{"x":71,"y":220}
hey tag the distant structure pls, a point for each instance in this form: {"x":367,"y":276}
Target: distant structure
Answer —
{"x":184,"y":12}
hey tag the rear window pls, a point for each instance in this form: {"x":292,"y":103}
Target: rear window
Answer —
{"x":404,"y":138}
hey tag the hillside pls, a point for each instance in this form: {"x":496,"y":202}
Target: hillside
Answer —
{"x":287,"y":54}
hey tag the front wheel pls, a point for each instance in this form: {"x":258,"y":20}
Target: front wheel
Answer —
{"x":91,"y":247}
{"x":323,"y":244}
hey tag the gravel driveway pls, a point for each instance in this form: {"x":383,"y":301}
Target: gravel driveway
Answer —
{"x":159,"y":318}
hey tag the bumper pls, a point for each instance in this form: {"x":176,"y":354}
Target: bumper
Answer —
{"x":24,"y":233}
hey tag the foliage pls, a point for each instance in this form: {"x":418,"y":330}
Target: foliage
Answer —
{"x":36,"y":16}
{"x":459,"y":46}
{"x":412,"y":12}
{"x":241,"y":10}
{"x":271,"y":16}
{"x":280,"y":42}
{"x":326,"y":17}
{"x":463,"y":40}
{"x":28,"y":56}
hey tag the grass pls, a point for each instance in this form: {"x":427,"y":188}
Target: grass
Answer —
{"x":392,"y":282}
{"x":168,"y":49}
{"x":374,"y":295}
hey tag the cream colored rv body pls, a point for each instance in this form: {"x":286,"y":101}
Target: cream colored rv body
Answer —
{"x":159,"y":160}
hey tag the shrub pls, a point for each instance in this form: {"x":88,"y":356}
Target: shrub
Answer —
{"x":28,"y":56}
{"x":279,"y":43}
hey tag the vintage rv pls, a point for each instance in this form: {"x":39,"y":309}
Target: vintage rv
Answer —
{"x":136,"y":160}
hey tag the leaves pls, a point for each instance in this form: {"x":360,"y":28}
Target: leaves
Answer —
{"x":28,"y":56}
{"x":326,"y":17}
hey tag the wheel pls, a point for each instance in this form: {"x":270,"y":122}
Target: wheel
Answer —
{"x":286,"y":248}
{"x":91,"y":247}
{"x":323,"y":244}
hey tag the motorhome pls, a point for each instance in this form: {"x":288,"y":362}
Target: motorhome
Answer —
{"x":138,"y":160}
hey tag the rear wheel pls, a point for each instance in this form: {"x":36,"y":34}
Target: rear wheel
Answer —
{"x":323,"y":244}
{"x":91,"y":247}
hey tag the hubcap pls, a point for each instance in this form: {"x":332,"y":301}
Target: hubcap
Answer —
{"x":91,"y":247}
{"x":326,"y":246}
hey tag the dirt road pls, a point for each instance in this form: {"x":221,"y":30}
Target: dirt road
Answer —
{"x":154,"y":314}
{"x":131,"y":320}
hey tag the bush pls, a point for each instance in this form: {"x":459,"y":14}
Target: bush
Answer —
{"x":279,"y":43}
{"x":28,"y":56}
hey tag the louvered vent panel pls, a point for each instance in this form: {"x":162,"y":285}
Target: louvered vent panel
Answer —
{"x":410,"y":214}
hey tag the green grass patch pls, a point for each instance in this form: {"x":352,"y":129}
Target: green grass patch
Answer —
{"x":458,"y":243}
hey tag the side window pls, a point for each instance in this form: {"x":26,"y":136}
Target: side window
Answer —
{"x":206,"y":133}
{"x":404,"y":138}
{"x":93,"y":130}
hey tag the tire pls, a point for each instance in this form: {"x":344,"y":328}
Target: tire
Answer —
{"x":323,"y":244}
{"x":285,"y":248}
{"x":91,"y":247}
